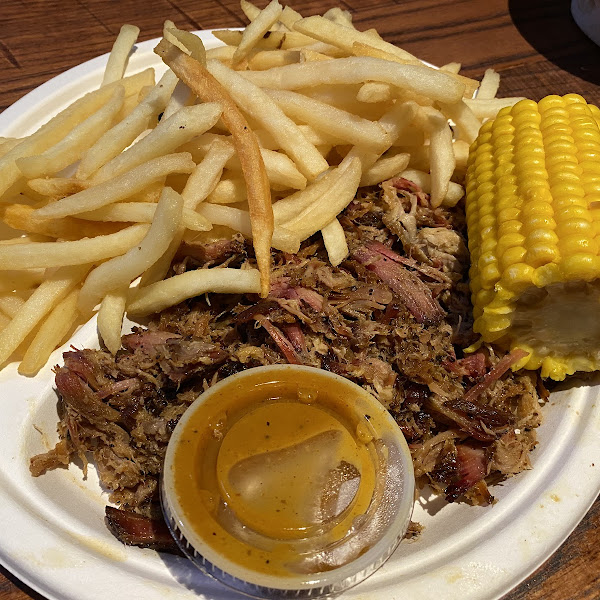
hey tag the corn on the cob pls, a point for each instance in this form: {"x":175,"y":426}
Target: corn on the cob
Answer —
{"x":533,"y":215}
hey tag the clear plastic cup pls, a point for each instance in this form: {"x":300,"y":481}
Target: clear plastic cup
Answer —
{"x":287,"y":481}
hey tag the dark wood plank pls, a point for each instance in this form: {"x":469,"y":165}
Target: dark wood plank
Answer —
{"x":534,"y":44}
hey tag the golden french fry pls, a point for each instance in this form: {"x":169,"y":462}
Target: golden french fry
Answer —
{"x":121,"y":187}
{"x":488,"y":108}
{"x":308,"y":55}
{"x":330,"y":32}
{"x":335,"y":242}
{"x":466,"y":123}
{"x":38,"y":305}
{"x":191,"y":42}
{"x":10,"y":303}
{"x":331,"y":120}
{"x":119,"y":137}
{"x":452,"y":67}
{"x":176,"y":289}
{"x":20,"y":280}
{"x":228,"y":191}
{"x":319,"y":214}
{"x":267,"y":59}
{"x":117,"y":59}
{"x":461,"y":154}
{"x":423,"y":80}
{"x":59,"y":126}
{"x":373,"y":91}
{"x":77,"y":141}
{"x":488,"y":88}
{"x":143,"y":212}
{"x":50,"y":334}
{"x":423,"y":180}
{"x":385,"y":168}
{"x":122,"y":270}
{"x":239,"y":220}
{"x":250,"y":10}
{"x":57,"y":187}
{"x":33,"y":255}
{"x":110,"y":318}
{"x":169,"y":134}
{"x":256,"y":30}
{"x":206,"y":87}
{"x":20,"y":216}
{"x":263,"y":109}
{"x":277,"y":40}
{"x":4,"y":321}
{"x":367,"y":49}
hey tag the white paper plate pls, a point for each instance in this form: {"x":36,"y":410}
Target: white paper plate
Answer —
{"x":53,"y":535}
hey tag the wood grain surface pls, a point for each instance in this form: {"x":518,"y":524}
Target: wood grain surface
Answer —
{"x":534,"y":44}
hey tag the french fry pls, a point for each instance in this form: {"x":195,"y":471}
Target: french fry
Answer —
{"x":319,"y":214}
{"x":38,"y":305}
{"x":121,"y":187}
{"x":330,"y":32}
{"x":57,"y":187}
{"x":198,"y":186}
{"x":441,"y":155}
{"x":169,"y":134}
{"x":120,"y":271}
{"x":373,"y":91}
{"x":367,"y":49}
{"x":335,"y":242}
{"x":423,"y":180}
{"x":10,"y":303}
{"x":277,"y":40}
{"x":33,"y":255}
{"x":207,"y":88}
{"x":20,"y":216}
{"x":239,"y":220}
{"x":488,"y":88}
{"x":119,"y":137}
{"x":452,"y":67}
{"x":110,"y":318}
{"x":256,"y":30}
{"x":4,"y":321}
{"x":423,"y":80}
{"x":267,"y":59}
{"x":250,"y":10}
{"x":339,"y":16}
{"x":385,"y":168}
{"x":461,"y":154}
{"x":261,"y":107}
{"x":50,"y":334}
{"x":331,"y":120}
{"x":77,"y":141}
{"x":228,"y":191}
{"x":192,"y":44}
{"x":59,"y":126}
{"x":176,"y":289}
{"x":466,"y":123}
{"x":488,"y":108}
{"x":143,"y":212}
{"x":19,"y":280}
{"x":117,"y":59}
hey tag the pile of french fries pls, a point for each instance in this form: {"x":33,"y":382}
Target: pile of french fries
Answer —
{"x":270,"y":134}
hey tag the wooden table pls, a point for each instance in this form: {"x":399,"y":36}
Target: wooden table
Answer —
{"x":534,"y":44}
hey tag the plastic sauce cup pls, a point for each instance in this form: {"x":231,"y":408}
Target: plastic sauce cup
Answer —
{"x":287,"y":481}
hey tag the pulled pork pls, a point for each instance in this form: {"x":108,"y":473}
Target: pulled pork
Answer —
{"x":394,"y":317}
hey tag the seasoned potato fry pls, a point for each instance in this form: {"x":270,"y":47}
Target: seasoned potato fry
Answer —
{"x":121,"y":187}
{"x":162,"y":294}
{"x":117,"y":59}
{"x":122,"y":270}
{"x":50,"y":334}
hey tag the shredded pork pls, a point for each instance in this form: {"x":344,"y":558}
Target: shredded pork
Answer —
{"x":394,"y":317}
